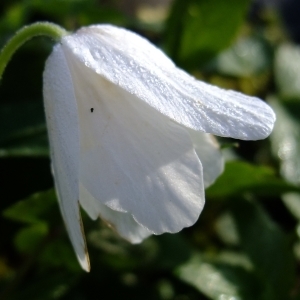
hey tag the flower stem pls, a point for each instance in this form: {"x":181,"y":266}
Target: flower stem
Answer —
{"x":26,"y":33}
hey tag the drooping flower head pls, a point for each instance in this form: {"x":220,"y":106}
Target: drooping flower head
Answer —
{"x":130,"y":133}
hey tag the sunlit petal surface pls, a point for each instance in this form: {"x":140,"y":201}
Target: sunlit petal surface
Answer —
{"x":134,"y":159}
{"x":131,"y":62}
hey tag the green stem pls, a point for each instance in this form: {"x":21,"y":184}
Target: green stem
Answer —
{"x":26,"y":33}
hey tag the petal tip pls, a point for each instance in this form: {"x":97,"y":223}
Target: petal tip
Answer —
{"x":85,"y":262}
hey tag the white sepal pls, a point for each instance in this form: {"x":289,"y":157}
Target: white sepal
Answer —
{"x":134,"y":159}
{"x":62,"y":122}
{"x":131,"y":62}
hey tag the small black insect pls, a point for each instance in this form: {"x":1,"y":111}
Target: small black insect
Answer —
{"x":92,"y":109}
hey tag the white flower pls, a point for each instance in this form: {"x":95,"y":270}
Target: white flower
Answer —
{"x":128,"y":134}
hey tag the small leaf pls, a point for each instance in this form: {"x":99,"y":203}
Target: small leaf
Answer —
{"x":32,"y":209}
{"x":59,"y":253}
{"x":28,"y":239}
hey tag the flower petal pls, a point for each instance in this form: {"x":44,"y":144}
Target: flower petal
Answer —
{"x":210,"y":155}
{"x":131,"y":62}
{"x":62,"y":122}
{"x":134,"y":159}
{"x":122,"y":222}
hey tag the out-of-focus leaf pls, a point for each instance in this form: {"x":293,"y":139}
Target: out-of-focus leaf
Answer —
{"x":287,"y":71}
{"x":118,"y":253}
{"x":28,"y":239}
{"x":84,"y":12}
{"x":267,"y":247}
{"x":235,"y":258}
{"x":285,"y":139}
{"x":40,"y":212}
{"x":297,"y":249}
{"x":219,"y":280}
{"x":248,"y":57}
{"x":292,"y":202}
{"x":226,"y":229}
{"x":32,"y":142}
{"x":32,"y":209}
{"x":152,"y":17}
{"x":13,"y":19}
{"x":241,"y":177}
{"x":22,"y":130}
{"x":59,"y":253}
{"x":166,"y":289}
{"x":198,"y":29}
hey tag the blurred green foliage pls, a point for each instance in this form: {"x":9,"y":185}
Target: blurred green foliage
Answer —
{"x":197,"y":30}
{"x":246,"y":244}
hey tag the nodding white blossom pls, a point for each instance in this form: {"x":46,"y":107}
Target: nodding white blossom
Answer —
{"x":130,"y":134}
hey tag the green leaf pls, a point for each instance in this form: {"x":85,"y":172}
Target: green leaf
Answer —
{"x":32,"y":209}
{"x":285,"y":139}
{"x":219,"y":280}
{"x":28,"y":239}
{"x":198,"y":29}
{"x":59,"y":253}
{"x":287,"y":71}
{"x":267,"y":247}
{"x":241,"y":177}
{"x":12,"y":19}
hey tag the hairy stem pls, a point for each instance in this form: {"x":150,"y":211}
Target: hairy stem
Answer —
{"x":26,"y":33}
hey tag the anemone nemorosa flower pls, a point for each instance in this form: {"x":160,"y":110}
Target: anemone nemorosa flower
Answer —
{"x":130,"y":134}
